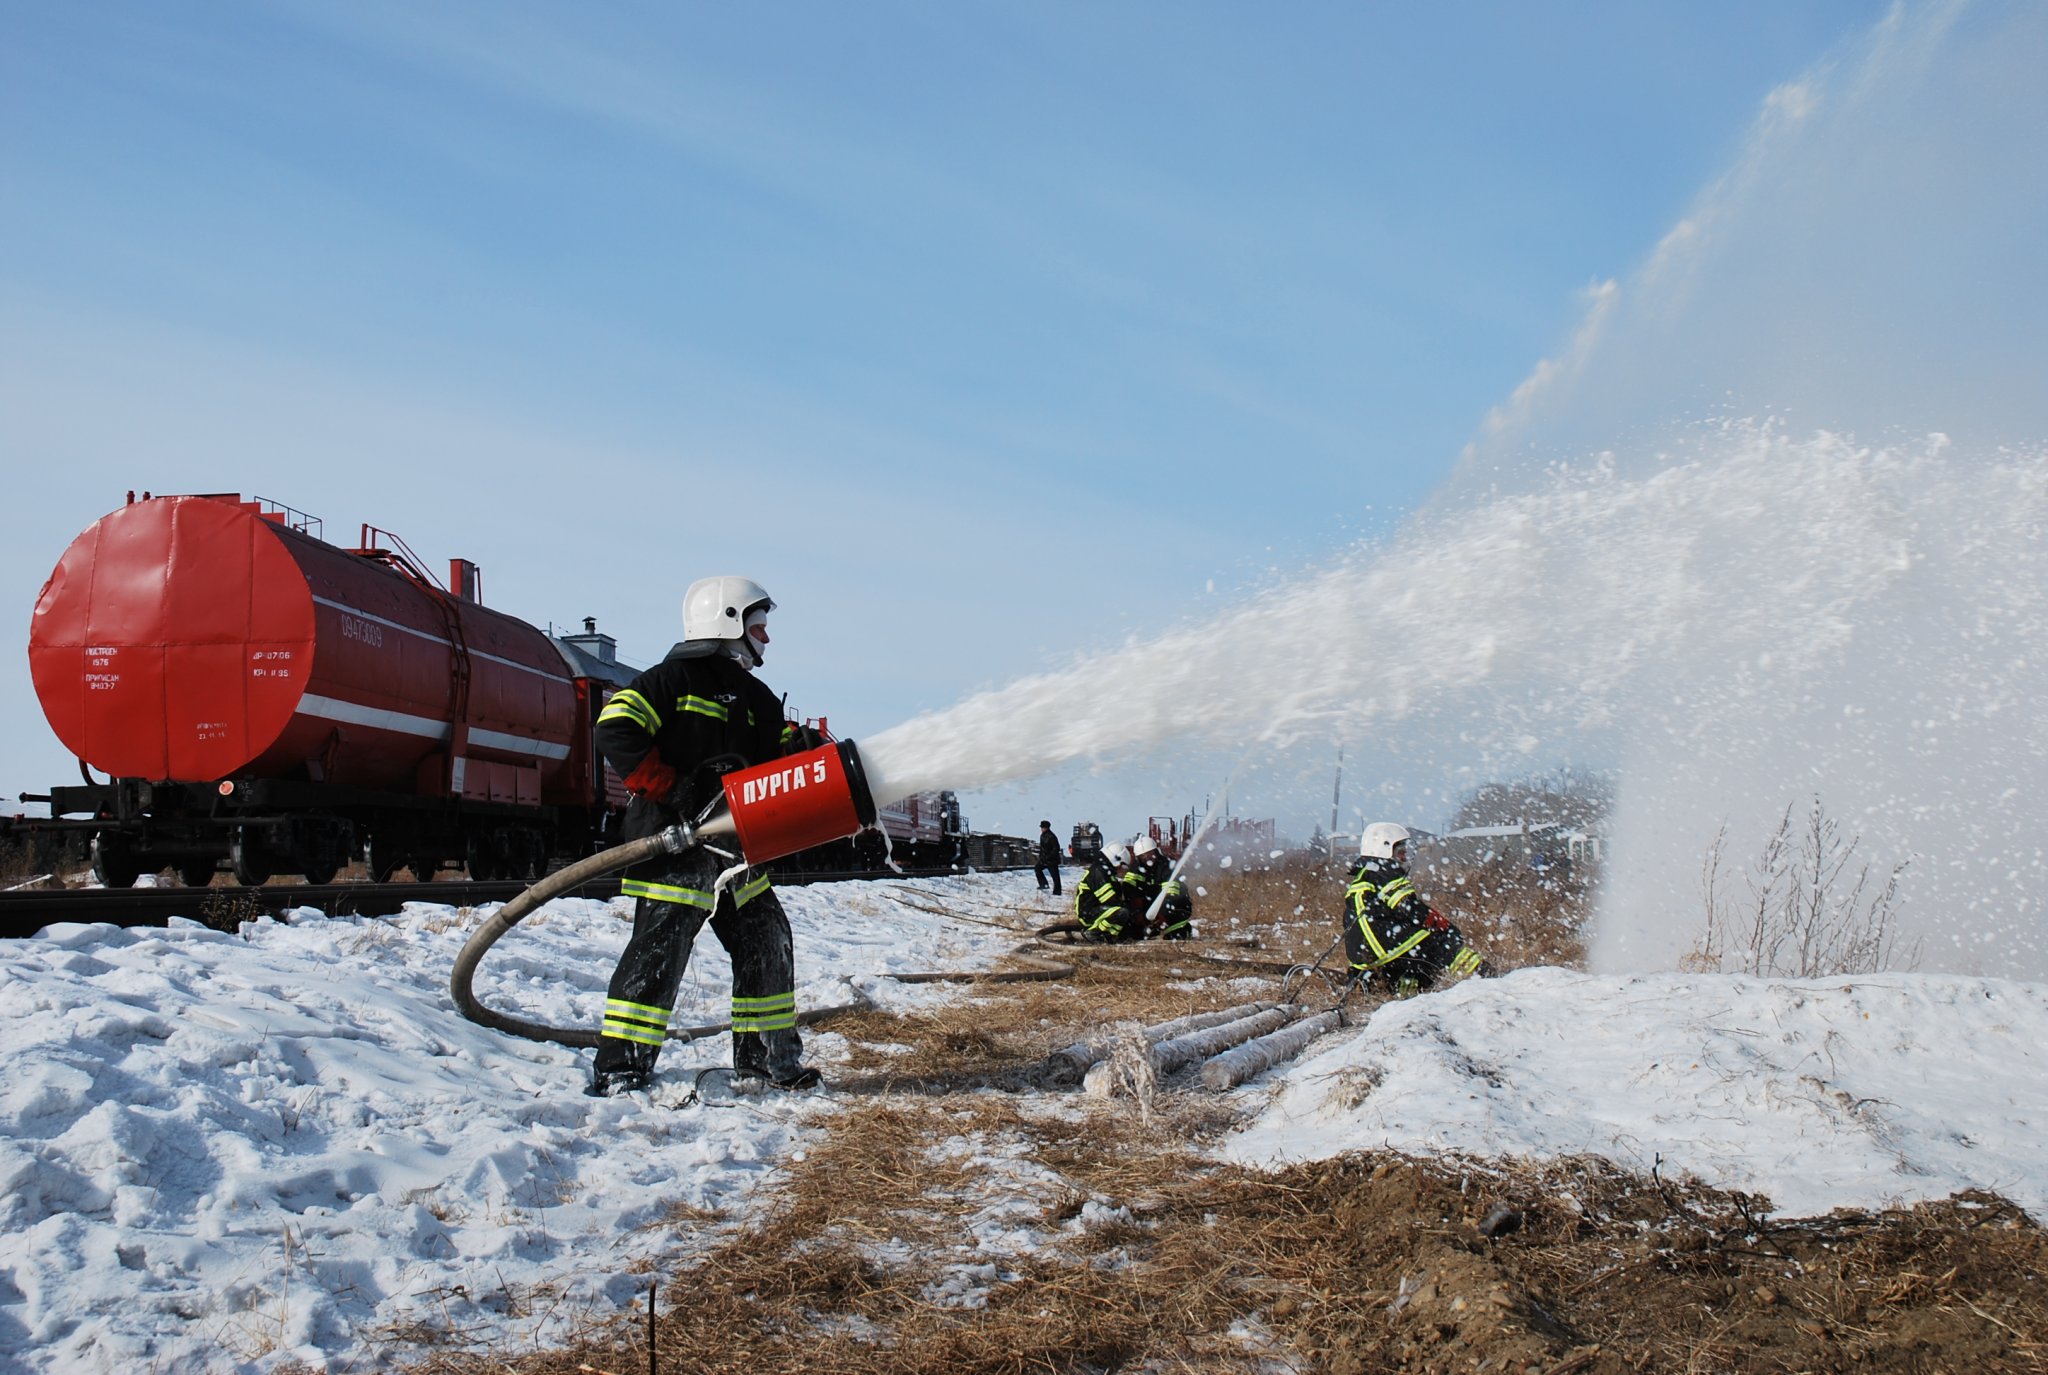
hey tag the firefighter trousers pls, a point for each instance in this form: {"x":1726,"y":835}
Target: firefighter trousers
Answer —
{"x":1392,"y":952}
{"x":669,"y":910}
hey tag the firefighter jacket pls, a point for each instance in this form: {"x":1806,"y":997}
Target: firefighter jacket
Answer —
{"x":700,"y":714}
{"x":1153,"y":880}
{"x":1109,"y":905}
{"x":1388,"y":923}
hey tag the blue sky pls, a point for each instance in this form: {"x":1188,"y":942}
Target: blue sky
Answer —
{"x":984,"y":336}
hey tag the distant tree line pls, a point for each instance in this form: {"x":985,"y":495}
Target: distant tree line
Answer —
{"x":1566,"y":797}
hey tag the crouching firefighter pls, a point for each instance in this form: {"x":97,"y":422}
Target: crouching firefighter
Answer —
{"x":671,"y":734}
{"x":1175,"y":920}
{"x":1109,"y":901}
{"x":1390,"y":933}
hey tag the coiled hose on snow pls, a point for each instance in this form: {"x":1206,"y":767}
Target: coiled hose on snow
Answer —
{"x":672,"y":841}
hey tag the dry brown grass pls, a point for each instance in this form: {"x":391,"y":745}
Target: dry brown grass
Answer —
{"x":962,"y":1217}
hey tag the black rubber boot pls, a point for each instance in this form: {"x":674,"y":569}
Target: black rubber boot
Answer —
{"x":612,"y":1083}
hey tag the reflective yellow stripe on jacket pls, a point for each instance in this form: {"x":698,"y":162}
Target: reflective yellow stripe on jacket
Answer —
{"x":702,"y":706}
{"x":693,"y":897}
{"x":1382,"y":955}
{"x":1361,"y":892}
{"x":1110,"y":918}
{"x":667,"y":892}
{"x":629,"y":705}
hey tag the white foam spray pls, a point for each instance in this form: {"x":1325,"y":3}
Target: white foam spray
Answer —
{"x":1736,"y":616}
{"x":1770,"y":620}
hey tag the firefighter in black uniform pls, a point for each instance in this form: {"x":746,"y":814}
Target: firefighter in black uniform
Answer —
{"x":698,"y":714}
{"x":1389,"y":931}
{"x":1153,"y":871}
{"x":1109,"y":901}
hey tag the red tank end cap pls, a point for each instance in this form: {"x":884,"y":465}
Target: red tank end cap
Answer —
{"x":791,"y":804}
{"x":173,"y":640}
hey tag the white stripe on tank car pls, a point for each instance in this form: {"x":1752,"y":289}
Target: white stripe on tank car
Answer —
{"x":425,"y":727}
{"x":517,"y":744}
{"x":355,"y":714}
{"x":442,"y":640}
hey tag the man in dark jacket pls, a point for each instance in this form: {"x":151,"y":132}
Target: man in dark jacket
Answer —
{"x":1389,"y":931}
{"x":1048,"y":858}
{"x":671,"y":734}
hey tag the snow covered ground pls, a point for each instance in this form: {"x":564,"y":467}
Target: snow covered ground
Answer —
{"x":1820,"y":1093}
{"x":284,"y":1144}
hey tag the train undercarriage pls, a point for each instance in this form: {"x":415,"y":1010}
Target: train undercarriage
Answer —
{"x":256,"y":829}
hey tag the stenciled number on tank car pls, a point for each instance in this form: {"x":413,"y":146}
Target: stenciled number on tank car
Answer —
{"x":355,"y":628}
{"x":101,"y":657}
{"x":271,"y":663}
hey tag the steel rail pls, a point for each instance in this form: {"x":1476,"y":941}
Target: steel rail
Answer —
{"x":24,"y":912}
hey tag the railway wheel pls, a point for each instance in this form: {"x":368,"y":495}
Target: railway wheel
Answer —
{"x":383,"y":859}
{"x":196,"y":873}
{"x":424,"y":867}
{"x":246,"y":860}
{"x":317,"y":874}
{"x":483,"y":863}
{"x":113,"y":863}
{"x":529,"y":856}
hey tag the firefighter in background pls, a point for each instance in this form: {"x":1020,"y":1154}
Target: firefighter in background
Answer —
{"x":1390,"y":933}
{"x":1154,"y":872}
{"x":671,"y":734}
{"x":1109,"y":901}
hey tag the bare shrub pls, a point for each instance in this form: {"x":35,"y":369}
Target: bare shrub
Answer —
{"x":1806,"y":909}
{"x":17,"y":860}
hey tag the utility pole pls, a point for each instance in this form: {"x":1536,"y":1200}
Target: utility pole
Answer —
{"x":1337,"y":791}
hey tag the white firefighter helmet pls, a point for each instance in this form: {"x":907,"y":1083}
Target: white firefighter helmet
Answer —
{"x":716,"y":608}
{"x":1379,"y":840}
{"x":1144,"y":847}
{"x":1116,"y":854}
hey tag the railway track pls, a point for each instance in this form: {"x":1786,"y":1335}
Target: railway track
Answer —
{"x":24,"y":912}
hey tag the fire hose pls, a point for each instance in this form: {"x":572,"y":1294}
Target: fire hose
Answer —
{"x":672,"y":841}
{"x":771,"y":810}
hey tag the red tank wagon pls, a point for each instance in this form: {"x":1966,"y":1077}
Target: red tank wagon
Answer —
{"x":259,"y":696}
